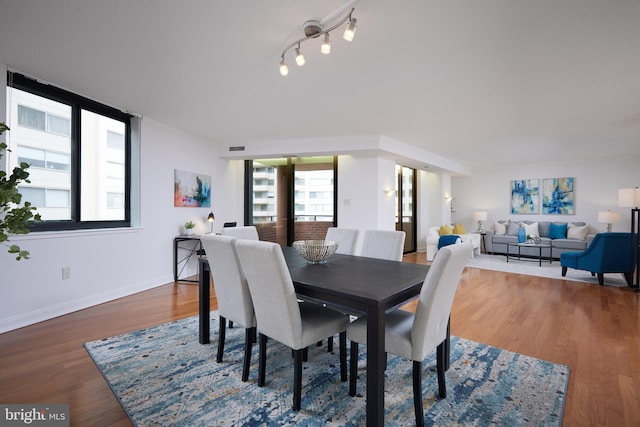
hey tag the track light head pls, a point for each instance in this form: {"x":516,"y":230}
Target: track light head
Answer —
{"x":350,"y":31}
{"x":284,"y":70}
{"x":299,"y":57}
{"x":326,"y":45}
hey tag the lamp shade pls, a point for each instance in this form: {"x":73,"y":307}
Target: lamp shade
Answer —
{"x":629,"y":197}
{"x":480,"y":216}
{"x":211,"y":217}
{"x":608,"y":217}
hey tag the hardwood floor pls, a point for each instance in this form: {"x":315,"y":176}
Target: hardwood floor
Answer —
{"x":593,"y":329}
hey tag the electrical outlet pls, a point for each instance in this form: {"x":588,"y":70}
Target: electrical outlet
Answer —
{"x":66,"y":273}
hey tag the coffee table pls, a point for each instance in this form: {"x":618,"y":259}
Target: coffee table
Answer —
{"x":539,"y":246}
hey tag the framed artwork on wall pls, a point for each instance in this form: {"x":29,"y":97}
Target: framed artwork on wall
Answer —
{"x":558,"y":196}
{"x":191,"y":190}
{"x":525,"y":196}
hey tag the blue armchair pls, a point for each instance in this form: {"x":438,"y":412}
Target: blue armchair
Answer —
{"x":607,"y":253}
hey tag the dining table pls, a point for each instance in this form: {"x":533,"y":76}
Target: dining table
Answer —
{"x":353,"y":284}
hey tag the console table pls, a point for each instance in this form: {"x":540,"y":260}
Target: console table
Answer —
{"x":192,"y":249}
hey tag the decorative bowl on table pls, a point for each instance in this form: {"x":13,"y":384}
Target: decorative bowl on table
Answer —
{"x":315,"y":251}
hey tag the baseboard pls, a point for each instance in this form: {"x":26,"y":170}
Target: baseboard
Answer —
{"x":36,"y":316}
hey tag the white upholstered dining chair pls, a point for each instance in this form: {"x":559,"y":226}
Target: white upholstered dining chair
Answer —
{"x":414,"y":336}
{"x":383,"y":244}
{"x":279,"y":314}
{"x":248,"y":232}
{"x":232,"y":293}
{"x":346,"y":238}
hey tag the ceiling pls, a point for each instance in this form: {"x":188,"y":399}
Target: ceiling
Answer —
{"x":478,"y":81}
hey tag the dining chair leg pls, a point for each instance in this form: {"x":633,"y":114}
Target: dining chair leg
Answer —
{"x":447,"y":346}
{"x":305,"y":354}
{"x":330,"y":344}
{"x":249,"y":338}
{"x":297,"y":378}
{"x":417,"y":393}
{"x":230,"y":324}
{"x":353,"y":368}
{"x":343,"y":355}
{"x":221,"y":335}
{"x":440,"y":368}
{"x":263,"y":359}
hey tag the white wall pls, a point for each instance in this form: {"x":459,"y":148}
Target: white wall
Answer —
{"x":362,"y":203}
{"x":432,"y":209}
{"x":108,"y":264}
{"x":596,"y":188}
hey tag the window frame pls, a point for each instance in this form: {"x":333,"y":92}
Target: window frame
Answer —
{"x":77,"y":104}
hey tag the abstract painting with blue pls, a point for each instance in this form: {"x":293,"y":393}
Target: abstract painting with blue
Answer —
{"x":192,"y":190}
{"x":525,"y":196}
{"x":558,"y":196}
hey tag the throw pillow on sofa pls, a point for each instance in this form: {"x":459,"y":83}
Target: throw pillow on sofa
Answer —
{"x":530,"y":229}
{"x":459,"y":229}
{"x":557,"y":231}
{"x":577,"y":232}
{"x":512,"y":228}
{"x":500,"y":228}
{"x":445,"y":230}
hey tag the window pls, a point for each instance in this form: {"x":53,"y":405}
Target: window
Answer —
{"x":115,"y":140}
{"x":79,"y":152}
{"x":37,"y":158}
{"x":46,"y":197}
{"x":115,"y":170}
{"x":115,"y":200}
{"x":36,"y":119}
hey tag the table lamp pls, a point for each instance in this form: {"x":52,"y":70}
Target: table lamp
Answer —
{"x":480,"y":216}
{"x":211,"y":218}
{"x":608,"y":217}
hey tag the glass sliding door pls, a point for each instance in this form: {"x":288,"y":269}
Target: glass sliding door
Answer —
{"x":406,"y":206}
{"x":314,"y":197}
{"x":290,"y":199}
{"x":266,"y":198}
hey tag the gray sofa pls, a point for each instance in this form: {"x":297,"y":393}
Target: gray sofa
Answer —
{"x":497,"y":244}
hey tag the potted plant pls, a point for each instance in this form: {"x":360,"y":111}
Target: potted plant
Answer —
{"x":188,"y":228}
{"x":14,"y":218}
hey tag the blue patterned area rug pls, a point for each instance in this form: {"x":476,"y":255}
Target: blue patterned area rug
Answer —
{"x":162,"y":376}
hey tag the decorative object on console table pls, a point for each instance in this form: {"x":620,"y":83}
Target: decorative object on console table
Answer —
{"x":211,"y":218}
{"x":188,"y":228}
{"x":608,"y":217}
{"x":480,"y":216}
{"x":630,"y":198}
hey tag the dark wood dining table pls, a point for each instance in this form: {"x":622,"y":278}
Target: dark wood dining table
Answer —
{"x":357,"y":285}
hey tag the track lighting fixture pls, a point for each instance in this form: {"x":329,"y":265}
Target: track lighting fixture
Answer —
{"x":312,"y":30}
